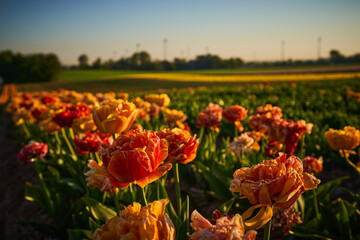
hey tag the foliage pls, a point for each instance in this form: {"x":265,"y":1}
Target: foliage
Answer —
{"x":28,"y":68}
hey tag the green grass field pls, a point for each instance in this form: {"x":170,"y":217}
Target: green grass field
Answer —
{"x":92,"y":75}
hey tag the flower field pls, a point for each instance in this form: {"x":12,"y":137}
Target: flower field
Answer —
{"x":255,"y":161}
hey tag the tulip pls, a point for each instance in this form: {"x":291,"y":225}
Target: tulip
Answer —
{"x":313,"y":165}
{"x":135,"y":157}
{"x":211,"y":117}
{"x":182,"y":146}
{"x":114,"y":116}
{"x":31,"y":151}
{"x":90,"y":143}
{"x":161,"y":100}
{"x":277,"y":182}
{"x":99,"y":177}
{"x":84,"y":124}
{"x":224,"y":227}
{"x":136,"y":223}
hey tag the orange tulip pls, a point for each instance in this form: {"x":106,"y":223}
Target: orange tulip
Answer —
{"x":224,"y":227}
{"x":99,"y":177}
{"x":136,"y":157}
{"x":136,"y":223}
{"x":235,"y":113}
{"x":162,"y":100}
{"x":84,"y":124}
{"x":277,"y":182}
{"x":341,"y":140}
{"x":313,"y":165}
{"x":175,"y":117}
{"x":211,"y":117}
{"x":114,"y":116}
{"x":262,"y":119}
{"x":182,"y":146}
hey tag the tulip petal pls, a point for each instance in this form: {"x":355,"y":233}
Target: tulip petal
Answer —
{"x":198,"y":221}
{"x":310,"y":182}
{"x":158,"y":173}
{"x":264,"y":197}
{"x":260,"y":219}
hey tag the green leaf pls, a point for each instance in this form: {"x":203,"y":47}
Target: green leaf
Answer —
{"x":329,"y":220}
{"x":344,"y":222}
{"x":99,"y":211}
{"x":355,"y":196}
{"x":225,"y":207}
{"x":162,"y":194}
{"x":93,"y":225}
{"x":324,"y":190}
{"x":221,"y":191}
{"x":75,"y":234}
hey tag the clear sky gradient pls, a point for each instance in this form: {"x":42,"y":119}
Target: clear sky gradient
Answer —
{"x":252,"y":30}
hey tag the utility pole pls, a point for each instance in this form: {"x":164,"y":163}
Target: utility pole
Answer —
{"x":137,"y":47}
{"x":165,"y":50}
{"x":283,"y":50}
{"x":319,"y":47}
{"x":207,"y":50}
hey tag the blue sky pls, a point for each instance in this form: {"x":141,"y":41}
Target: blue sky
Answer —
{"x":247,"y":29}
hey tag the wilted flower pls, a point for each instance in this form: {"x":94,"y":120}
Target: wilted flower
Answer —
{"x":262,"y":119}
{"x":99,"y":177}
{"x":343,"y":140}
{"x":84,"y":124}
{"x":114,"y":116}
{"x":161,"y":100}
{"x":31,"y":151}
{"x":135,"y":157}
{"x":224,"y":228}
{"x":90,"y":143}
{"x":313,"y":165}
{"x":242,"y":144}
{"x":211,"y":117}
{"x":277,"y":182}
{"x":182,"y":146}
{"x":286,"y":219}
{"x":136,"y":223}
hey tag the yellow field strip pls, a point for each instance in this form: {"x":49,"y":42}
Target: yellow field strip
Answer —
{"x":238,"y":78}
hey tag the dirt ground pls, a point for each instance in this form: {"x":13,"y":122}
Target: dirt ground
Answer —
{"x":13,"y":176}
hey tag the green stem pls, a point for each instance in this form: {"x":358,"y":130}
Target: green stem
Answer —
{"x":201,"y":135}
{"x":114,"y":136}
{"x":26,"y":130}
{"x":143,"y":196}
{"x":116,"y":201}
{"x":236,"y":131}
{"x":267,"y":229}
{"x":316,"y":204}
{"x":132,"y":192}
{"x":97,"y":157}
{"x":177,"y":188}
{"x":350,"y":162}
{"x":68,"y":142}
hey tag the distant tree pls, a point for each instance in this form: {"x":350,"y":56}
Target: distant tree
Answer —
{"x":29,"y":68}
{"x":336,"y":56}
{"x":83,"y":61}
{"x":96,"y":64}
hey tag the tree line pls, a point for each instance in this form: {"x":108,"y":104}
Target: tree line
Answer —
{"x":16,"y":67}
{"x":142,"y":61}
